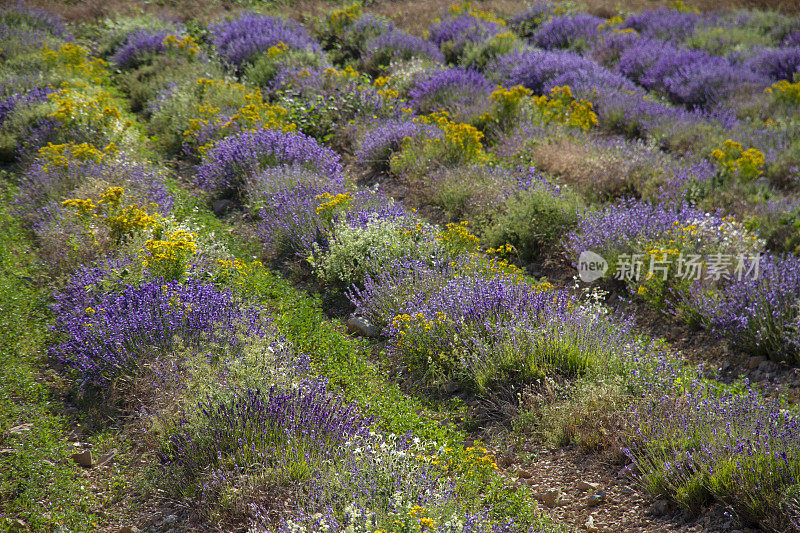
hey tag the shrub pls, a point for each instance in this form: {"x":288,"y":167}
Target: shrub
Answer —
{"x":567,"y":31}
{"x":460,"y":92}
{"x":491,"y":334}
{"x":192,"y":117}
{"x":757,"y":312}
{"x":104,"y":336}
{"x":379,"y":144}
{"x":462,"y":27}
{"x":396,"y":45}
{"x":458,"y":144}
{"x":355,"y":252}
{"x":230,"y":162}
{"x":533,"y":220}
{"x":736,"y":162}
{"x":240,"y":40}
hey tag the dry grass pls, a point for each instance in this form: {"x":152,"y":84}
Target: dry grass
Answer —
{"x":596,"y":174}
{"x":413,"y":15}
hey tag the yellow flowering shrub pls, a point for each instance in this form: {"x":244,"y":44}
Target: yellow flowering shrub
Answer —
{"x":76,"y":60}
{"x":229,"y":107}
{"x":60,"y":155}
{"x":735,"y":161}
{"x":680,"y":5}
{"x":458,"y":138}
{"x":466,"y":8}
{"x":458,"y":144}
{"x":506,"y":104}
{"x":785,"y":91}
{"x":186,"y":45}
{"x":561,"y":107}
{"x":342,"y":18}
{"x":331,"y":204}
{"x":458,"y":239}
{"x":168,"y":257}
{"x":112,"y":212}
{"x":82,"y":107}
{"x":241,"y":275}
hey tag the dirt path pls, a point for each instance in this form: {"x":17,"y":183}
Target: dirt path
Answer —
{"x":585,"y":493}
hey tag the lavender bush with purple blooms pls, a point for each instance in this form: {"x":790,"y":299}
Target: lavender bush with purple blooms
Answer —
{"x":541,"y":70}
{"x":691,"y":77}
{"x":137,"y":45}
{"x":397,"y":45}
{"x":294,"y":434}
{"x":231,"y":161}
{"x":103,"y":336}
{"x":776,"y":64}
{"x":452,"y":35}
{"x":459,"y":91}
{"x":378,"y":144}
{"x":567,"y":31}
{"x":667,"y":24}
{"x":759,"y":315}
{"x":240,"y":40}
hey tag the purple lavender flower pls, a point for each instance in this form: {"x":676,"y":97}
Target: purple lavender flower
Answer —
{"x":617,"y":228}
{"x":378,"y":144}
{"x":24,"y":100}
{"x":453,"y":89}
{"x":103,"y":334}
{"x":776,"y":64}
{"x":561,"y":32}
{"x":541,"y":70}
{"x":668,"y":24}
{"x":454,"y":34}
{"x":225,"y":166}
{"x":691,"y":77}
{"x":758,"y":313}
{"x":137,"y":44}
{"x":275,"y":429}
{"x":397,"y":45}
{"x":22,"y":15}
{"x":238,"y":40}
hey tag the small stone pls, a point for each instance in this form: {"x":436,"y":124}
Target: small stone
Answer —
{"x":222,"y":207}
{"x":22,"y":428}
{"x":451,"y":387}
{"x":18,"y":525}
{"x":659,"y":507}
{"x":361,"y":326}
{"x":524,"y":474}
{"x":549,"y":498}
{"x":83,"y":458}
{"x":590,"y":525}
{"x":586,"y":485}
{"x":596,"y":499}
{"x":129,"y":529}
{"x":754,"y":362}
{"x":107,"y":457}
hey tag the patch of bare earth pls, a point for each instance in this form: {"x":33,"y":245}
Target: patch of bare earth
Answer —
{"x":586,"y":492}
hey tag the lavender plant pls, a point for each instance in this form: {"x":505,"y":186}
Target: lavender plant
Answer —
{"x":230,"y":162}
{"x":106,"y":335}
{"x":239,"y":40}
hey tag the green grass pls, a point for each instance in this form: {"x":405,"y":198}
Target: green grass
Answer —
{"x":39,"y":483}
{"x":345,"y":362}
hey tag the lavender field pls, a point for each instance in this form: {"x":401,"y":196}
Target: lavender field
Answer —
{"x":521,"y":267}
